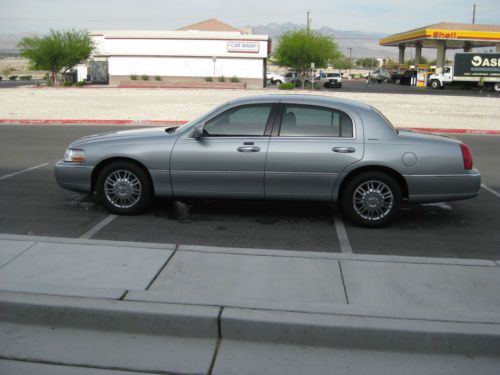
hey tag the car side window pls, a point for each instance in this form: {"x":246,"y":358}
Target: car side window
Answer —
{"x":240,"y":121}
{"x":309,"y":121}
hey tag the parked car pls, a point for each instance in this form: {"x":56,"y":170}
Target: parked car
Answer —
{"x":333,"y":80}
{"x":403,"y":78}
{"x":292,"y":77}
{"x":294,"y":147}
{"x":275,"y":78}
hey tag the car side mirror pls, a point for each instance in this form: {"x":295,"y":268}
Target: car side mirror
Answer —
{"x":197,"y":131}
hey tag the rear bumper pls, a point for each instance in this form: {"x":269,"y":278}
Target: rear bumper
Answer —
{"x":442,"y":188}
{"x":73,"y":176}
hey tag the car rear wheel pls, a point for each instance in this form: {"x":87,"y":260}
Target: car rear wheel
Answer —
{"x":124,"y":188}
{"x":371,"y":199}
{"x":397,"y":81}
{"x":496,"y":87}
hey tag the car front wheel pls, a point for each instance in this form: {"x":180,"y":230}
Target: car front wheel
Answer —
{"x":371,"y":199}
{"x":124,"y":188}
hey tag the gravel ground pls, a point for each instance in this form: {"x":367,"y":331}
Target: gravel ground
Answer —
{"x":184,"y":104}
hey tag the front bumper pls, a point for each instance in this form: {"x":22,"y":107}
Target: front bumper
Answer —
{"x":73,"y":176}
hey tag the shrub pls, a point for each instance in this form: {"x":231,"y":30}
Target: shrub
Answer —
{"x":1,"y":78}
{"x":221,"y":79}
{"x":286,"y":86}
{"x":209,"y":79}
{"x":25,"y":78}
{"x":145,"y":77}
{"x":80,"y":83}
{"x":158,"y":78}
{"x":235,"y":79}
{"x":12,"y":78}
{"x":67,"y":83}
{"x":133,"y":77}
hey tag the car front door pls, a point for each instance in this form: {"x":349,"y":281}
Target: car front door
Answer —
{"x":308,"y":150}
{"x":229,"y":159}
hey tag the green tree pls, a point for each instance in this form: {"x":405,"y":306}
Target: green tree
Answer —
{"x":367,"y":62}
{"x":57,"y":52}
{"x":341,"y":62}
{"x":298,"y":49}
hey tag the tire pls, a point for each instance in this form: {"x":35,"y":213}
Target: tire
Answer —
{"x":397,"y":81}
{"x":124,"y":188}
{"x":435,"y":84}
{"x":496,"y":87}
{"x":277,"y":82}
{"x":371,"y":199}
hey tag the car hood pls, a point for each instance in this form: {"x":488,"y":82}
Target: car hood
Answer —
{"x":122,"y":134}
{"x":427,"y":136}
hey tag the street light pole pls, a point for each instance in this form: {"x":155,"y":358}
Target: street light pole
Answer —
{"x":350,"y":61}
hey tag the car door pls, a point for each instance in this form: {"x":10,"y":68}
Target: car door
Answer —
{"x":308,"y":150}
{"x":229,"y":159}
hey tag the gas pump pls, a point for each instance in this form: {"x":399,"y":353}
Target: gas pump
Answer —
{"x":422,"y":74}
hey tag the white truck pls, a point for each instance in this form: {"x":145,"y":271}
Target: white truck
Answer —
{"x":470,"y":69}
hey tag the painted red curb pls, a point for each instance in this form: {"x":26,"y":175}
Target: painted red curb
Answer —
{"x":454,"y":131}
{"x":88,"y":122}
{"x":181,"y":122}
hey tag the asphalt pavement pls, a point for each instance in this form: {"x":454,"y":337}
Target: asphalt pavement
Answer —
{"x":31,"y":203}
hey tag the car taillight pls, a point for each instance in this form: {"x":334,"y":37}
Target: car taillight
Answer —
{"x":466,"y":155}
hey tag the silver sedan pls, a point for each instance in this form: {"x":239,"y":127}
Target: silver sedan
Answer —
{"x":295,"y":147}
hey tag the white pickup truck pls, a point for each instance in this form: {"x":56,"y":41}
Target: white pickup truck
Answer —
{"x":470,"y":69}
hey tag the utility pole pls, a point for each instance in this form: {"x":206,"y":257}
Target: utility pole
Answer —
{"x":350,"y":61}
{"x":308,"y":22}
{"x":474,"y":14}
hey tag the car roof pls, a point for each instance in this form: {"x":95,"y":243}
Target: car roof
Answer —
{"x":301,"y":99}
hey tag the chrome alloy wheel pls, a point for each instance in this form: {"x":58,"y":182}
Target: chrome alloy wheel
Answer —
{"x":122,"y":188}
{"x":373,"y":200}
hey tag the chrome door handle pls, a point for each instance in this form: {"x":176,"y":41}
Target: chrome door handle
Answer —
{"x":344,"y":150}
{"x":248,"y":149}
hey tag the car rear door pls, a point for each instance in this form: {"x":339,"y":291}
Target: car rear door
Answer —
{"x":229,"y":160}
{"x":310,"y":146}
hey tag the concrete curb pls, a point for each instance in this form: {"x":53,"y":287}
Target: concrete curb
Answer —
{"x":181,"y":122}
{"x":101,"y":314}
{"x":260,"y":252}
{"x":360,"y":333}
{"x":236,"y":324}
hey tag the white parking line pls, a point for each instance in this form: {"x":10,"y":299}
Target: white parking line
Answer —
{"x":345,"y":245}
{"x":495,"y":193}
{"x":24,"y":170}
{"x":96,"y":228}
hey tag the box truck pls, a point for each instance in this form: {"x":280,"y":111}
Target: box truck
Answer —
{"x":470,"y":69}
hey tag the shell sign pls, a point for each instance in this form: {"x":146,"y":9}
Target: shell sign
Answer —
{"x":444,"y":35}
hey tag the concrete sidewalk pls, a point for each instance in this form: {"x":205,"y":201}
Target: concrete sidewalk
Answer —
{"x":102,"y":307}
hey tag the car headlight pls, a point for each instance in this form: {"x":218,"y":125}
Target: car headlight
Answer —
{"x":74,"y":155}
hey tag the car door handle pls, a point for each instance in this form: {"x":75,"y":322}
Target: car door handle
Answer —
{"x":344,"y":150}
{"x":248,"y":149}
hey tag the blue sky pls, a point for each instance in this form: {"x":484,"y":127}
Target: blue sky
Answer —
{"x":391,"y":16}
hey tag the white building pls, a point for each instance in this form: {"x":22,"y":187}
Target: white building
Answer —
{"x":189,"y":55}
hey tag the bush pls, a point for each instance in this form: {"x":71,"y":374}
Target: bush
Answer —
{"x":12,"y":78}
{"x":80,"y":83}
{"x":67,"y":83}
{"x":286,"y":86}
{"x":235,"y":79}
{"x":145,"y":77}
{"x":221,"y":79}
{"x":1,"y":78}
{"x":25,"y":78}
{"x":158,"y":78}
{"x":209,"y":79}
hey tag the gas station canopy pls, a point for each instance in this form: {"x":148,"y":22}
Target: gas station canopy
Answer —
{"x":443,"y":36}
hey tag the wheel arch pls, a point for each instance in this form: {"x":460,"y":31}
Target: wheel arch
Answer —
{"x":379,"y":168}
{"x":103,"y":163}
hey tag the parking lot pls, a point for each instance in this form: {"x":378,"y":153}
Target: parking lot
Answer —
{"x":32,"y":203}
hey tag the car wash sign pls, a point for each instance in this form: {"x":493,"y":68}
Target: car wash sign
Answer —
{"x":477,"y":64}
{"x":243,"y":46}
